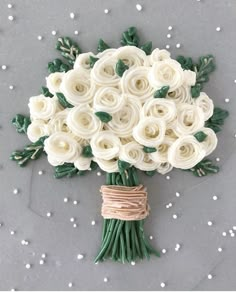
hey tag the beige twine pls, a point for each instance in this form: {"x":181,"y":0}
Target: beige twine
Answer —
{"x":124,"y":203}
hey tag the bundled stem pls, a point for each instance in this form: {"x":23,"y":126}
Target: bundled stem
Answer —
{"x":124,"y":241}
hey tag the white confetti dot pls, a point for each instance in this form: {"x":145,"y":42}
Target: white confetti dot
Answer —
{"x":235,"y":81}
{"x":9,"y":5}
{"x":133,"y":263}
{"x":175,"y":216}
{"x":215,"y":198}
{"x":220,"y":249}
{"x":11,"y":17}
{"x":230,"y":231}
{"x":105,"y":279}
{"x":12,"y":232}
{"x":232,"y":234}
{"x":11,"y":87}
{"x":177,"y":194}
{"x":4,"y":67}
{"x":80,"y":256}
{"x":65,"y":200}
{"x":227,"y":100}
{"x":41,"y":262}
{"x":70,"y":285}
{"x":217,"y":159}
{"x":178,"y":46}
{"x":209,"y":223}
{"x":167,"y":177}
{"x":28,"y":266}
{"x":15,"y":191}
{"x":151,"y":237}
{"x":234,"y":227}
{"x":40,"y":172}
{"x":1,"y":224}
{"x":99,"y":173}
{"x":43,"y":255}
{"x":13,"y":289}
{"x":72,"y":15}
{"x":54,"y":32}
{"x":139,"y":7}
{"x":76,"y":32}
{"x":168,"y":36}
{"x":40,"y":37}
{"x":106,"y":11}
{"x":93,"y":222}
{"x":162,"y":285}
{"x":74,"y":225}
{"x":72,"y":219}
{"x":224,"y":233}
{"x":163,"y":250}
{"x":75,"y":202}
{"x":49,"y":214}
{"x":170,"y":27}
{"x":167,"y":47}
{"x":218,"y":28}
{"x":209,"y":276}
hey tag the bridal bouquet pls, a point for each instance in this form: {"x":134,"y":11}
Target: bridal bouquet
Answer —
{"x":121,"y":110}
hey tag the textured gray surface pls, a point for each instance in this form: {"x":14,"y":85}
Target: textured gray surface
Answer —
{"x":194,"y":26}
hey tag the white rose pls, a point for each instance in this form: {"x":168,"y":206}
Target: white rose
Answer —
{"x":58,"y":122}
{"x":189,"y":77}
{"x":132,"y":153}
{"x":170,"y":132}
{"x":149,"y":131}
{"x":147,"y":164}
{"x":131,"y":56}
{"x":83,"y":122}
{"x":126,"y":119}
{"x":43,"y":108}
{"x":126,"y":140}
{"x":190,"y":118}
{"x":105,"y":145}
{"x":166,"y":73}
{"x":135,"y":82}
{"x":37,"y":129}
{"x":83,"y":61}
{"x":210,"y":141}
{"x":161,"y":155}
{"x":107,"y":165}
{"x":164,"y":168}
{"x":186,"y":152}
{"x":159,"y":108}
{"x":181,"y":94}
{"x":83,"y":163}
{"x":206,"y":104}
{"x":158,"y":55}
{"x":106,"y":53}
{"x":103,"y":72}
{"x":76,"y":86}
{"x":61,"y":147}
{"x":53,"y":81}
{"x":108,"y":99}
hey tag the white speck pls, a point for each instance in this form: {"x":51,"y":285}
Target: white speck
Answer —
{"x":74,"y":225}
{"x":168,"y":177}
{"x":54,"y":32}
{"x":70,"y":285}
{"x":170,"y":27}
{"x":162,"y":285}
{"x":178,"y":46}
{"x":72,"y":15}
{"x":23,"y":242}
{"x":234,"y":135}
{"x":105,"y":279}
{"x":99,"y":173}
{"x":209,"y":276}
{"x":72,"y":219}
{"x":4,"y":67}
{"x":139,"y":7}
{"x":224,"y":233}
{"x":177,"y":194}
{"x":41,"y":262}
{"x":218,"y":28}
{"x":49,"y":214}
{"x":215,"y":198}
{"x":11,"y":17}
{"x":1,"y":224}
{"x":76,"y":32}
{"x":209,"y":223}
{"x":40,"y":37}
{"x":40,"y":172}
{"x":234,"y":227}
{"x":151,"y":237}
{"x":133,"y":263}
{"x":13,"y":289}
{"x":12,"y":232}
{"x":167,"y":46}
{"x":232,"y":235}
{"x":175,"y":216}
{"x":235,"y":81}
{"x":93,"y":222}
{"x":15,"y":191}
{"x":217,"y":159}
{"x":168,"y":36}
{"x":227,"y":100}
{"x":43,"y":255}
{"x":106,"y":11}
{"x":66,"y":200}
{"x":28,"y":266}
{"x":220,"y":249}
{"x":230,"y":231}
{"x":80,"y":256}
{"x":163,"y":250}
{"x":11,"y":87}
{"x":75,"y":202}
{"x":9,"y":6}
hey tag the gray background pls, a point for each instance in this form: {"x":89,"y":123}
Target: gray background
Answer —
{"x":194,"y":26}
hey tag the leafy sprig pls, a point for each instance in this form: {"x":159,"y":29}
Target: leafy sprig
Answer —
{"x":130,"y":37}
{"x":102,"y":46}
{"x":186,"y":63}
{"x":45,"y":91}
{"x":68,"y":48}
{"x":58,"y":66}
{"x":21,"y":123}
{"x":62,"y":100}
{"x":204,"y":168}
{"x":121,"y":68}
{"x":217,"y":119}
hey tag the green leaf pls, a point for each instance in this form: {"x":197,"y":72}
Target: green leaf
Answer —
{"x":102,"y":46}
{"x":65,"y":170}
{"x":149,"y":149}
{"x":217,"y":119}
{"x":123,"y":165}
{"x":58,"y":66}
{"x":121,"y":68}
{"x":147,"y":48}
{"x":21,"y":123}
{"x":186,"y":63}
{"x":150,"y":172}
{"x":92,"y":61}
{"x":62,"y":100}
{"x":68,"y":48}
{"x":87,"y":151}
{"x":130,"y":37}
{"x":195,"y":90}
{"x":200,"y":136}
{"x":104,"y":117}
{"x":161,"y":93}
{"x":204,"y":168}
{"x":31,"y":152}
{"x":93,"y":165}
{"x":45,"y":91}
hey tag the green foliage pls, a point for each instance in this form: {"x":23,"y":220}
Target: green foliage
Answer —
{"x":62,"y":100}
{"x":200,"y":136}
{"x":102,"y":46}
{"x":147,"y":48}
{"x":58,"y":66}
{"x":104,"y":117}
{"x":130,"y":37}
{"x":204,"y":168}
{"x":92,"y":61}
{"x":21,"y":123}
{"x":68,"y":48}
{"x":149,"y":149}
{"x":65,"y":170}
{"x":186,"y":63}
{"x":121,"y":68}
{"x":87,"y":151}
{"x":123,"y":165}
{"x":45,"y":91}
{"x":217,"y":119}
{"x":161,"y":93}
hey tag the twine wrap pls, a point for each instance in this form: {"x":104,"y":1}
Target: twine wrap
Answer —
{"x":124,"y":203}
